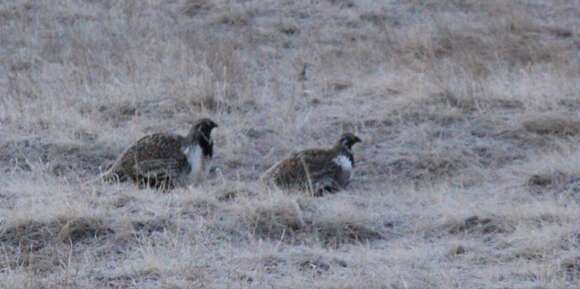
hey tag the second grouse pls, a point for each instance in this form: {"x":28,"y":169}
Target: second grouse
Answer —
{"x":316,"y":170}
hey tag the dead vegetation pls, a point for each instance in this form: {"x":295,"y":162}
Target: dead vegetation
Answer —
{"x":35,"y":235}
{"x":291,"y":222}
{"x":479,"y":226}
{"x":58,"y":159}
{"x":429,"y":167}
{"x":468,"y":174}
{"x":555,"y":126}
{"x":192,"y":8}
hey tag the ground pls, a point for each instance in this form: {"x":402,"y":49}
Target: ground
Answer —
{"x":468,"y":175}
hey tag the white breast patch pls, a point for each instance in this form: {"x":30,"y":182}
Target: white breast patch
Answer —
{"x":194,"y":157}
{"x":344,"y":162}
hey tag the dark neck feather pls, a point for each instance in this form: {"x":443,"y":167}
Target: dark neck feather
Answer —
{"x":206,"y":144}
{"x":203,"y":139}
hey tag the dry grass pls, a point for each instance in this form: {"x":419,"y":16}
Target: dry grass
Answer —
{"x":468,"y":176}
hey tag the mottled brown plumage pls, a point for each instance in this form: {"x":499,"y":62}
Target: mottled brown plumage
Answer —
{"x":162,"y":160}
{"x":316,"y":170}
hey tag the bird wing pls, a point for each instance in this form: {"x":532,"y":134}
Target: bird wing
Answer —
{"x":320,"y":164}
{"x":157,"y":168}
{"x":155,"y":155}
{"x":305,"y":166}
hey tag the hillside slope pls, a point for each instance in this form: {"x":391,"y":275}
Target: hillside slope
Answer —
{"x":468,"y":175}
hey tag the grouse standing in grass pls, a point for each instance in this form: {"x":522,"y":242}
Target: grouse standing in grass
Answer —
{"x":164,"y":160}
{"x":316,"y":170}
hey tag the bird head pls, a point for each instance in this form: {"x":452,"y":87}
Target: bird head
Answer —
{"x":204,"y":127}
{"x":347,"y":140}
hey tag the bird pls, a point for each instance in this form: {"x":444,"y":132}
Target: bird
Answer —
{"x":163,"y":160}
{"x":315,"y":170}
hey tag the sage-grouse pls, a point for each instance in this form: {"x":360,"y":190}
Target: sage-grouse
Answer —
{"x":163,"y":160}
{"x":316,"y":170}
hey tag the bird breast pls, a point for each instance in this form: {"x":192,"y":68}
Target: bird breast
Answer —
{"x":345,"y":171}
{"x":343,"y":162}
{"x":195,"y":158}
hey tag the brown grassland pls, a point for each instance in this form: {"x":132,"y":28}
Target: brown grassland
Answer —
{"x":468,"y":175}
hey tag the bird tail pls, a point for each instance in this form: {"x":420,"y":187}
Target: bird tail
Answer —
{"x":266,"y":177}
{"x":270,"y":177}
{"x":266,"y":180}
